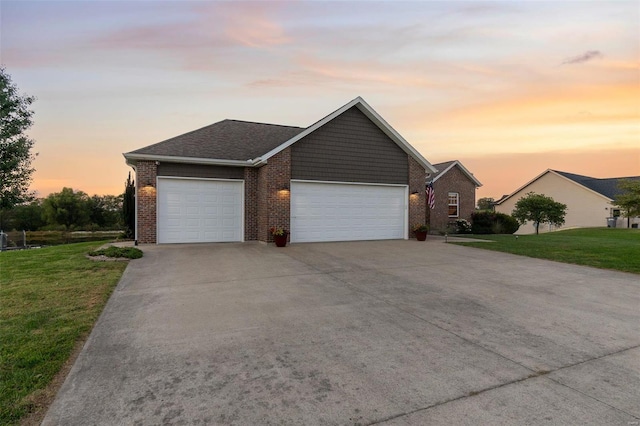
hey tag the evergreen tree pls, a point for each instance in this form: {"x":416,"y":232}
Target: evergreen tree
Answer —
{"x":129,"y":207}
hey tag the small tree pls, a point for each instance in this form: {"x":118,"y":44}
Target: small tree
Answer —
{"x":629,"y":199}
{"x":486,"y":203}
{"x":15,"y":146}
{"x":129,"y":207}
{"x":539,"y":208}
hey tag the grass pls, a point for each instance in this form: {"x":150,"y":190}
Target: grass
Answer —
{"x":123,"y":252}
{"x":605,"y":248}
{"x":49,"y":299}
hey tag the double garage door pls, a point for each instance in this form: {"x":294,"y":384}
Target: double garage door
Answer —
{"x":347,"y":212}
{"x":199,"y":210}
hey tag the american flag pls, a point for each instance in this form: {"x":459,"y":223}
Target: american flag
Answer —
{"x":431,"y":196}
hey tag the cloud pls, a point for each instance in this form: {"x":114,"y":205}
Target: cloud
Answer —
{"x":586,"y":56}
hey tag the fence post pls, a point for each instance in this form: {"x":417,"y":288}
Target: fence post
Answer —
{"x":3,"y":240}
{"x":24,"y":238}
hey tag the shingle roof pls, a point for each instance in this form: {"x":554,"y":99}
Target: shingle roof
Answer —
{"x":607,"y":187}
{"x":441,"y":168}
{"x":446,"y":166}
{"x":227,"y":140}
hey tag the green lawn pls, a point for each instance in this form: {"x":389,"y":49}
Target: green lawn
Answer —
{"x":606,"y":248}
{"x":49,"y":299}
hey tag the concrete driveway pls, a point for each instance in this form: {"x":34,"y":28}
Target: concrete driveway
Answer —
{"x":385,"y":332}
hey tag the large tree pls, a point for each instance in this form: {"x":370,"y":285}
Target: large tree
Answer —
{"x":15,"y":145}
{"x":68,"y":208}
{"x":629,"y":199}
{"x":539,"y":208}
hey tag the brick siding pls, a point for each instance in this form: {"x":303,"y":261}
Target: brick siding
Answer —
{"x":455,"y":180}
{"x":250,"y":204}
{"x":274,"y":206}
{"x":417,"y":202}
{"x":146,"y":172}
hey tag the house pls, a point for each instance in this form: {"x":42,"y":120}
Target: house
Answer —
{"x":455,"y":194}
{"x":588,"y":199}
{"x":349,"y":176}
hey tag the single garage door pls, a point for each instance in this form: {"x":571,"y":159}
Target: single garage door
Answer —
{"x":199,"y":210}
{"x":347,"y":212}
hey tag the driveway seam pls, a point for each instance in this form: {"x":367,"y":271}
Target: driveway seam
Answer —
{"x":534,"y":374}
{"x":591,"y":396}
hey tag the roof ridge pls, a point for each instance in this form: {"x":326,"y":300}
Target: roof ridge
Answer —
{"x":259,"y":122}
{"x":594,"y":178}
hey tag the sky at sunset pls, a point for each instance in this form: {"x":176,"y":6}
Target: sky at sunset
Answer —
{"x":508,"y":88}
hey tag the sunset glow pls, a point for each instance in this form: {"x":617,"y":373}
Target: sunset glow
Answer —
{"x":508,"y":88}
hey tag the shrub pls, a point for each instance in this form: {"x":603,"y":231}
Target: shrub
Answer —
{"x":488,"y":222}
{"x":113,"y":251}
{"x":459,"y":226}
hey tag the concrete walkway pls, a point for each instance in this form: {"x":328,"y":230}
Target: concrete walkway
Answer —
{"x":385,"y":332}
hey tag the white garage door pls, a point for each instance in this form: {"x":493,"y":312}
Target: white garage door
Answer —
{"x":199,"y":211}
{"x":347,"y":212}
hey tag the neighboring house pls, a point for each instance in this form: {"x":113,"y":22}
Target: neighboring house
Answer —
{"x":455,"y":194}
{"x":349,"y":176}
{"x":588,"y":200}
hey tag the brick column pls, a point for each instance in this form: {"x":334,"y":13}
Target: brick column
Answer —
{"x":146,"y":172}
{"x":250,"y":204}
{"x":417,"y":202}
{"x":274,"y":203}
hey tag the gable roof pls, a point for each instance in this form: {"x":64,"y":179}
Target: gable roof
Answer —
{"x":231,"y":140}
{"x":444,"y":167}
{"x":607,"y":187}
{"x":242,"y":143}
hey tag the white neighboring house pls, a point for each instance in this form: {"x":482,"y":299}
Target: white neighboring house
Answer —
{"x":588,"y":200}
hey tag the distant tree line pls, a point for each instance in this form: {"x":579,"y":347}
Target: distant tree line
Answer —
{"x":66,"y":210}
{"x":71,"y":210}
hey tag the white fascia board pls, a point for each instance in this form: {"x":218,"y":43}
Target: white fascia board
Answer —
{"x":464,"y":170}
{"x":373,"y":116}
{"x":524,"y":186}
{"x":309,"y":130}
{"x":393,"y":134}
{"x":582,"y":186}
{"x":132,"y":158}
{"x":557,"y":174}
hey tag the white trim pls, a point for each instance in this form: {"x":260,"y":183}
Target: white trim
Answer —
{"x":196,"y":178}
{"x":457,"y":194}
{"x":187,"y":160}
{"x":557,"y":174}
{"x":373,"y":116}
{"x":406,"y":213}
{"x":243,"y":201}
{"x":135,"y":205}
{"x":349,"y":183}
{"x":464,"y":170}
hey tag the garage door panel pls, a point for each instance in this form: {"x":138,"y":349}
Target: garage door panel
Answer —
{"x":347,"y":212}
{"x":192,"y":210}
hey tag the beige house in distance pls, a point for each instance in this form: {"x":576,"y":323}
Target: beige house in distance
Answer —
{"x":588,"y":200}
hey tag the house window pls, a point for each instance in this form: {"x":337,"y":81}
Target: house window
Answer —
{"x":454,"y":204}
{"x":615,"y":212}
